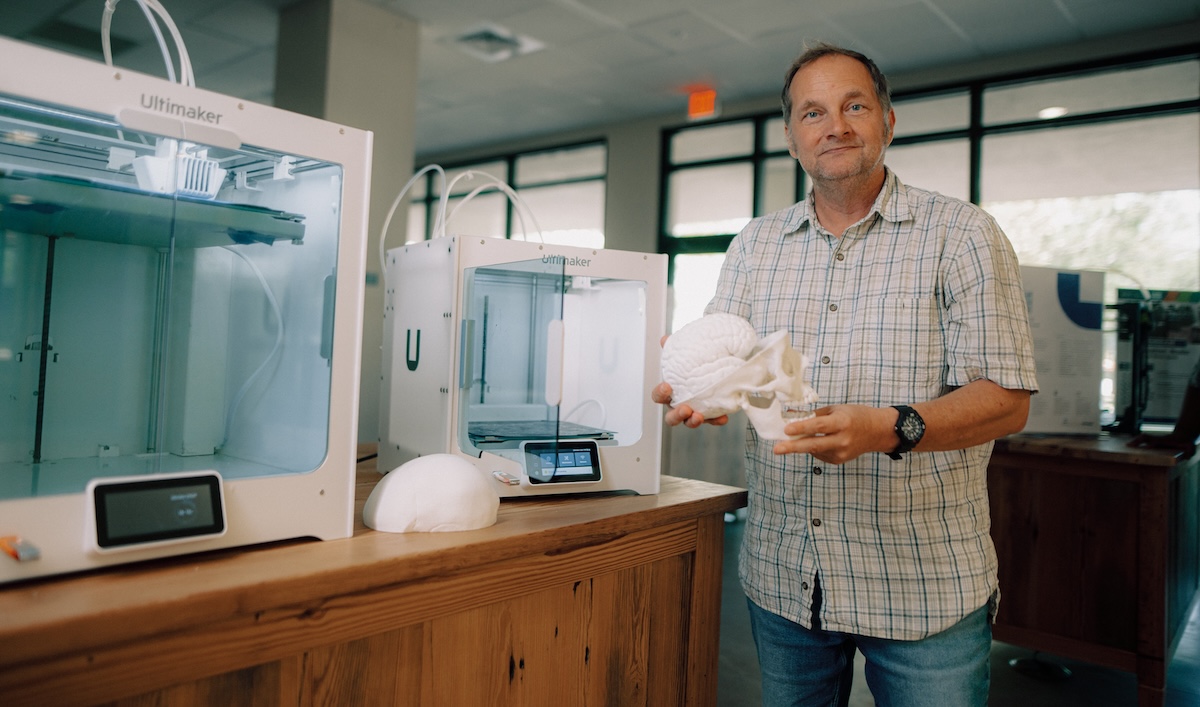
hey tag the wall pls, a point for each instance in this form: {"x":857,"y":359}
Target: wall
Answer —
{"x":355,"y":63}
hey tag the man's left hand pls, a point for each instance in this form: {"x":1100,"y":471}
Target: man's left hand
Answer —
{"x":839,"y":433}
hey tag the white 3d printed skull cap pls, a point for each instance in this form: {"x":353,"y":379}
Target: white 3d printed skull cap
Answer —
{"x":433,"y":493}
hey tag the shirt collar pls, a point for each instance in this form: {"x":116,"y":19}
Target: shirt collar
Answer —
{"x":891,"y":205}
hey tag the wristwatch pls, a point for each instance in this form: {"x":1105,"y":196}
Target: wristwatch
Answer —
{"x":910,"y":428}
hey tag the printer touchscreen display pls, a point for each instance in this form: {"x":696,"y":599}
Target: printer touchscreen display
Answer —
{"x":564,"y":461}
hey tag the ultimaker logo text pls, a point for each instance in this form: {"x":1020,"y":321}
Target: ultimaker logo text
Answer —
{"x":563,"y":260}
{"x":166,"y":105}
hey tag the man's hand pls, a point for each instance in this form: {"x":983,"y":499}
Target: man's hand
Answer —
{"x":975,"y":413}
{"x":682,"y":414}
{"x":839,"y":433}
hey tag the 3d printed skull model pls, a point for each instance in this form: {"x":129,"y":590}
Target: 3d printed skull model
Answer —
{"x":716,"y":365}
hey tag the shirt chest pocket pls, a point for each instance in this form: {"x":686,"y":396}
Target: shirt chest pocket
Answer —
{"x":897,"y":351}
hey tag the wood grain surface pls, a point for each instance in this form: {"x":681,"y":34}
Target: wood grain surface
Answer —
{"x":584,"y":600}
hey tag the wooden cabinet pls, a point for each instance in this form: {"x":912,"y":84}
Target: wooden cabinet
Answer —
{"x":588,"y":600}
{"x":1099,"y":551}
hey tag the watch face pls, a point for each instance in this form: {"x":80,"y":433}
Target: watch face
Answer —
{"x":912,"y":427}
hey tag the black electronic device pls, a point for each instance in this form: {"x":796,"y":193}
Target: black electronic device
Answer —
{"x":1134,"y":325}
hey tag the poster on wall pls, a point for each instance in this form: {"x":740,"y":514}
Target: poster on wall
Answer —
{"x":1171,"y":352}
{"x":1066,"y":310}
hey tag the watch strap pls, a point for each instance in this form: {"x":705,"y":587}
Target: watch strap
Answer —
{"x":904,"y":422}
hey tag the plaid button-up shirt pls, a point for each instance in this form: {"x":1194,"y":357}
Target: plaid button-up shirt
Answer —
{"x":923,"y":295}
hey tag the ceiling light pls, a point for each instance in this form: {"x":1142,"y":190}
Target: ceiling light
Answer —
{"x":1052,"y":112}
{"x":492,"y":43}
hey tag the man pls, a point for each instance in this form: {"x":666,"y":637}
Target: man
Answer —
{"x":869,"y":529}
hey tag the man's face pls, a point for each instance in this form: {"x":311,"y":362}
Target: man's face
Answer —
{"x":837,"y":128}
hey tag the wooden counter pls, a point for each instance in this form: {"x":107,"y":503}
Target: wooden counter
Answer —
{"x":586,"y":600}
{"x":1099,"y":550}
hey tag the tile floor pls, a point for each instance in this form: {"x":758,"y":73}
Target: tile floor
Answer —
{"x":1088,"y":685}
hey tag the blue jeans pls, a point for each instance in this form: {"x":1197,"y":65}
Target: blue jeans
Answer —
{"x":811,"y":668}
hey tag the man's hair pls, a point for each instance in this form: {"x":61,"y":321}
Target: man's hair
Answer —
{"x":821,"y":49}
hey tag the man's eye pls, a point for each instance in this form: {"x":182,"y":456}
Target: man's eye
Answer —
{"x":811,"y":114}
{"x":857,"y":107}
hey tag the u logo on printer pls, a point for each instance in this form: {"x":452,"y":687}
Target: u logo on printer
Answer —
{"x":411,"y":357}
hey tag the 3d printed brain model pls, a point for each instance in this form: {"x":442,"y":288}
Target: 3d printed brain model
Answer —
{"x":704,"y":352}
{"x":717,"y":365}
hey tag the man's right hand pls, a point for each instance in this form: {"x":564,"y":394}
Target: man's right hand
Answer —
{"x":681,"y":414}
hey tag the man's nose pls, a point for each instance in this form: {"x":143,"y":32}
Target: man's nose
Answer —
{"x":838,"y":125}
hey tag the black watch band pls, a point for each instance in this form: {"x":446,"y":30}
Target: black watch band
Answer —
{"x":910,"y":428}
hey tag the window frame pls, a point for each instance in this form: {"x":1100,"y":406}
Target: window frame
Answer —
{"x":758,"y":156}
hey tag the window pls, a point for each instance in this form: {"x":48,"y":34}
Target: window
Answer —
{"x":710,"y":201}
{"x":1102,"y":196}
{"x":1093,"y":92}
{"x":942,"y":166}
{"x":1080,"y":184}
{"x":1098,"y":167}
{"x":417,"y":212}
{"x":566,"y":214}
{"x":712,"y":142}
{"x":932,"y":114}
{"x":718,"y":177}
{"x":480,"y":214}
{"x":562,"y":190}
{"x":695,"y":278}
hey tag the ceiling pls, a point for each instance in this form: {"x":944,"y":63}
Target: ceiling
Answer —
{"x":600,"y":61}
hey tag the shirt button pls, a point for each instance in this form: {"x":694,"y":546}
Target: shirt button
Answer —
{"x":804,"y":586}
{"x":817,"y":470}
{"x":841,"y":256}
{"x":833,"y":307}
{"x":824,"y":359}
{"x":817,"y":522}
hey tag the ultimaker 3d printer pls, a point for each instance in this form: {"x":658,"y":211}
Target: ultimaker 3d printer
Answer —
{"x":181,"y":281}
{"x":533,"y":361}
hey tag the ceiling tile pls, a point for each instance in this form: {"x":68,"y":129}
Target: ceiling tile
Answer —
{"x":760,"y":17}
{"x":1099,"y":18}
{"x":1013,"y":25}
{"x":553,"y":24}
{"x":21,"y":18}
{"x":457,"y":14}
{"x":251,"y":76}
{"x":627,"y":13}
{"x":913,"y":35}
{"x":616,"y":48}
{"x":681,"y":32}
{"x":249,"y":22}
{"x":128,"y":19}
{"x":794,"y":42}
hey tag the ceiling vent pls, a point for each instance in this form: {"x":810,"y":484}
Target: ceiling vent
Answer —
{"x":492,"y":43}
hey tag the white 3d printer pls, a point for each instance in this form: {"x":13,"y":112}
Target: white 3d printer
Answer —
{"x":181,"y":282}
{"x":533,"y":361}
